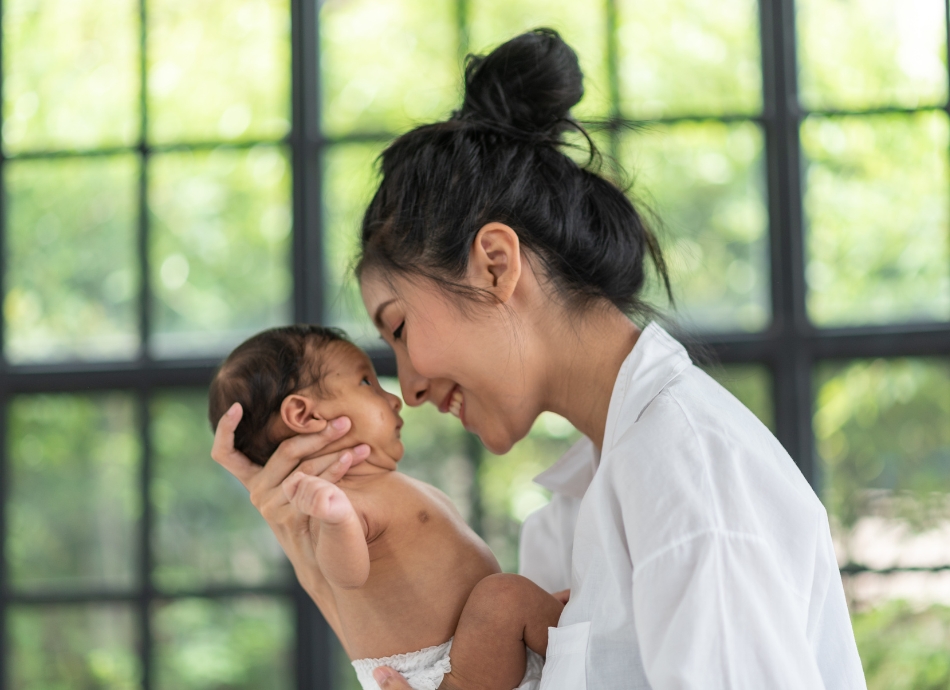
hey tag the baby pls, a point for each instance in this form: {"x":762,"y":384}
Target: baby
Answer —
{"x":405,"y":582}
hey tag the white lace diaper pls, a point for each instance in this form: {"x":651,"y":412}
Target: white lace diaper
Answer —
{"x":424,"y":669}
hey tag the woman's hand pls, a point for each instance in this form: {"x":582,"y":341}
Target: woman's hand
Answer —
{"x":265,"y":484}
{"x":387,"y":679}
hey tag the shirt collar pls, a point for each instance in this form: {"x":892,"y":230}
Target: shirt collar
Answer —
{"x":656,"y":359}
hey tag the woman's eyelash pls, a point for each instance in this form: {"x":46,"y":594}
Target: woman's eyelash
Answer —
{"x":397,"y":334}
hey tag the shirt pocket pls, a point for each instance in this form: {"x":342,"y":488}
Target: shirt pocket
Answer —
{"x":565,"y":666}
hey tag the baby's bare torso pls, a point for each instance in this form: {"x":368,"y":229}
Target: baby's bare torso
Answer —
{"x":424,"y":563}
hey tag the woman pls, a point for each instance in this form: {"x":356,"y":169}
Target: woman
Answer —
{"x":502,"y":273}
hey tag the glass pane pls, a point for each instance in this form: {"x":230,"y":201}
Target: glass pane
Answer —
{"x":350,"y":180}
{"x":582,"y":25}
{"x":438,"y":450}
{"x":73,"y":501}
{"x":218,"y":70}
{"x":71,"y":74}
{"x":903,"y":646}
{"x":508,"y":491}
{"x":857,"y":54}
{"x":883,"y":437}
{"x":206,"y":530}
{"x":239,"y":644}
{"x":689,"y":57}
{"x":751,"y":384}
{"x":220,"y":251}
{"x":73,"y":646}
{"x":706,"y":182}
{"x":876,"y":204}
{"x":387,"y":64}
{"x":72,"y":272}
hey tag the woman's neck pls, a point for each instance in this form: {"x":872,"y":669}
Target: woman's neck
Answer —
{"x":584,"y":355}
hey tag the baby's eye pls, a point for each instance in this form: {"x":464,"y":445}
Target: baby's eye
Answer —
{"x":366,"y":381}
{"x":397,"y":334}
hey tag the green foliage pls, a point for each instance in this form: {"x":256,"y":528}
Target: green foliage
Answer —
{"x":201,"y":86}
{"x":387,"y":64}
{"x":72,"y":272}
{"x":706,"y":183}
{"x":878,"y":210}
{"x":232,"y":644}
{"x":206,"y":530}
{"x":856,"y":54}
{"x":903,"y":648}
{"x":73,"y":647}
{"x":689,"y":57}
{"x":73,"y":506}
{"x":220,"y":247}
{"x":883,"y":429}
{"x":71,"y":74}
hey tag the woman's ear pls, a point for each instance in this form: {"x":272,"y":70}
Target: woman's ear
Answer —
{"x":494,"y":263}
{"x":300,"y":414}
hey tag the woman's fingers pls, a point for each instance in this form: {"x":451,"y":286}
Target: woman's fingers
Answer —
{"x":388,"y":679}
{"x":563,"y":596}
{"x":295,"y":449}
{"x":223,"y":452}
{"x":347,"y":459}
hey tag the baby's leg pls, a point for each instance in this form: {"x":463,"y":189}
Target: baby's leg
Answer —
{"x":504,"y":613}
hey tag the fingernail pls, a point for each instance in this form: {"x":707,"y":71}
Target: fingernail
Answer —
{"x":340,"y":423}
{"x":345,"y":459}
{"x":361,"y":451}
{"x":233,"y":409}
{"x":382,"y":674}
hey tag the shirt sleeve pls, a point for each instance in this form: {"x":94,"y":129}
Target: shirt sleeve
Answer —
{"x":547,"y":540}
{"x":712,"y":612}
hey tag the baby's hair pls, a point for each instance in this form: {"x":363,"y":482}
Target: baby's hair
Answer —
{"x":261,"y":372}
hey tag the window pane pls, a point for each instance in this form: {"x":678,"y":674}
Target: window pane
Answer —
{"x":218,"y":70}
{"x":71,"y":77}
{"x":689,"y":57}
{"x":387,"y":64}
{"x":206,"y":530}
{"x":438,"y":450}
{"x":72,"y":273}
{"x":350,"y":179}
{"x":883,"y":438}
{"x":239,"y":644}
{"x":883,"y":435}
{"x":706,"y":183}
{"x":73,"y":646}
{"x":857,"y":54}
{"x":752,"y":385}
{"x":878,"y":246}
{"x":220,"y":251}
{"x":509,"y":493}
{"x":73,"y":501}
{"x":582,"y":24}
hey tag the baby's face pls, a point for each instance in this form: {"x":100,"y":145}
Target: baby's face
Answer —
{"x":352,"y":390}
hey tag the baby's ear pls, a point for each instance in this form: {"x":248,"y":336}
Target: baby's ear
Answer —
{"x":300,"y":414}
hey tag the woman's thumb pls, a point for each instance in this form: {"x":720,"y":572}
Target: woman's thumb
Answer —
{"x":388,"y":679}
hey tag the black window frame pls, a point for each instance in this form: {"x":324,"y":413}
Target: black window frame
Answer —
{"x":789,"y":348}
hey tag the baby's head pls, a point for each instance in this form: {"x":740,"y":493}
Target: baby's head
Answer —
{"x":293,"y":380}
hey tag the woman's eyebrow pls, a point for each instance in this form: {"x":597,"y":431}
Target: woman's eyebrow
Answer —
{"x":378,"y":316}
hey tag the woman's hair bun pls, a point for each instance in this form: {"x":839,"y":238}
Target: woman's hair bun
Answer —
{"x":529,"y":84}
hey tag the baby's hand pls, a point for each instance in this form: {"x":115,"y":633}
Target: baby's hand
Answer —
{"x":318,"y":498}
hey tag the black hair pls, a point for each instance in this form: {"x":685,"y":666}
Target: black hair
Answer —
{"x":501,"y":157}
{"x":260,"y":373}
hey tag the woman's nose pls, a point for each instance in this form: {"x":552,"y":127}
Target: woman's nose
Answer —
{"x":414,"y":386}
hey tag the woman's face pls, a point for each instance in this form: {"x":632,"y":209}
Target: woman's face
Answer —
{"x":470,"y":363}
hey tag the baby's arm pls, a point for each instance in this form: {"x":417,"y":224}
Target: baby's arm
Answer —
{"x":503,"y":615}
{"x":341,"y":548}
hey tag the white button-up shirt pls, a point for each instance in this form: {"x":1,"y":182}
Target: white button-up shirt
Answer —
{"x":697,"y":555}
